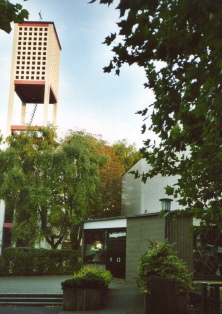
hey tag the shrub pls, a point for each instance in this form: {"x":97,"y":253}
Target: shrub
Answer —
{"x":89,"y":278}
{"x":161,"y":260}
{"x":38,"y":262}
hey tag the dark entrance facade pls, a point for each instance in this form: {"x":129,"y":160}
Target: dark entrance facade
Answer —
{"x":116,"y":254}
{"x":106,"y":247}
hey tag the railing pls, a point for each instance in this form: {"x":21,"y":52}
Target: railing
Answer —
{"x":210,"y":298}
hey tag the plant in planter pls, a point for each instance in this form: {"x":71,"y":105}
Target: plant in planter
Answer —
{"x":86,"y":289}
{"x":162,"y":261}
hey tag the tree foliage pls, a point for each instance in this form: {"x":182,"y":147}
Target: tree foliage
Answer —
{"x":120,"y":157}
{"x":11,"y":13}
{"x":50,"y":185}
{"x":179,"y":45}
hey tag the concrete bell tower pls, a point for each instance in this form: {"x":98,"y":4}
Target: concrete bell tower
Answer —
{"x":34,"y":71}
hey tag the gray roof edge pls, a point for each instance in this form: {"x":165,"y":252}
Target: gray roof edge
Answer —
{"x":122,"y":217}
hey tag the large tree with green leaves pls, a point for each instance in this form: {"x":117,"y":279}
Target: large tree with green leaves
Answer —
{"x":179,"y":45}
{"x":9,"y":13}
{"x":49,"y":184}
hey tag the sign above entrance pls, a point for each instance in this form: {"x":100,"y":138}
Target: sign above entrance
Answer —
{"x":117,"y":234}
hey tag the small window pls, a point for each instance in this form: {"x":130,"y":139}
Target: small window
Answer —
{"x":35,"y":34}
{"x":27,"y":77}
{"x":35,"y":29}
{"x":25,"y":34}
{"x":27,"y":72}
{"x":40,"y":34}
{"x":30,"y":28}
{"x":37,"y":77}
{"x":45,"y":34}
{"x":17,"y":77}
{"x":28,"y":62}
{"x":32,"y":77}
{"x":40,"y":29}
{"x":22,"y":77}
{"x":45,"y":29}
{"x":20,"y":33}
{"x":33,"y":62}
{"x":43,"y":77}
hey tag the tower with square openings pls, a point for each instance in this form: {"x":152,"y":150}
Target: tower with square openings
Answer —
{"x":34,"y":71}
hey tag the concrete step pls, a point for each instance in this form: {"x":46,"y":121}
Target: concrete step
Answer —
{"x":30,"y":299}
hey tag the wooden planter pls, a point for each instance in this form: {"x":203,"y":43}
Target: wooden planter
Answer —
{"x":177,"y":305}
{"x":82,"y":299}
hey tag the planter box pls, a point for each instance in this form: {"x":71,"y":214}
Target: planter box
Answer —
{"x":177,"y":304}
{"x":83,"y":299}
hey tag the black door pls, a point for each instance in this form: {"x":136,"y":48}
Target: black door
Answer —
{"x":116,"y":256}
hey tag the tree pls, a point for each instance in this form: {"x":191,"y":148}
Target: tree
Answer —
{"x":121,"y":156}
{"x":11,"y":13}
{"x":50,"y":184}
{"x":127,"y":152}
{"x":178,"y":43}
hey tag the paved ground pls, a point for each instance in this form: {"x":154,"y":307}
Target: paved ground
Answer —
{"x":122,"y":298}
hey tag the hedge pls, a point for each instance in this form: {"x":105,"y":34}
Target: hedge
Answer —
{"x":39,"y":262}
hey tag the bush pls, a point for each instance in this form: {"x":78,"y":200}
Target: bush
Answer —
{"x":161,"y":260}
{"x":38,"y":262}
{"x":89,"y":278}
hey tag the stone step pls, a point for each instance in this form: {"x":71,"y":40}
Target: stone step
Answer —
{"x":30,"y":299}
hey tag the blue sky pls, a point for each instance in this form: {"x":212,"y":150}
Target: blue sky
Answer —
{"x":88,"y":98}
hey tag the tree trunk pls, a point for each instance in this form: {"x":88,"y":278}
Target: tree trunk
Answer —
{"x":75,"y":236}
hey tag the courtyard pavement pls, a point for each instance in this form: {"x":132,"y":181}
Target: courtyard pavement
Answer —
{"x":123,"y":298}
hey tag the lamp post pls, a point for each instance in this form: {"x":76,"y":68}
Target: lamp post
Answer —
{"x":166,"y":203}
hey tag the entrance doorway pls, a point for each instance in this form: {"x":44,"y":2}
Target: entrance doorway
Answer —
{"x":116,"y":256}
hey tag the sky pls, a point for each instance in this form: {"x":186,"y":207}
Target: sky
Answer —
{"x":89,"y":99}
